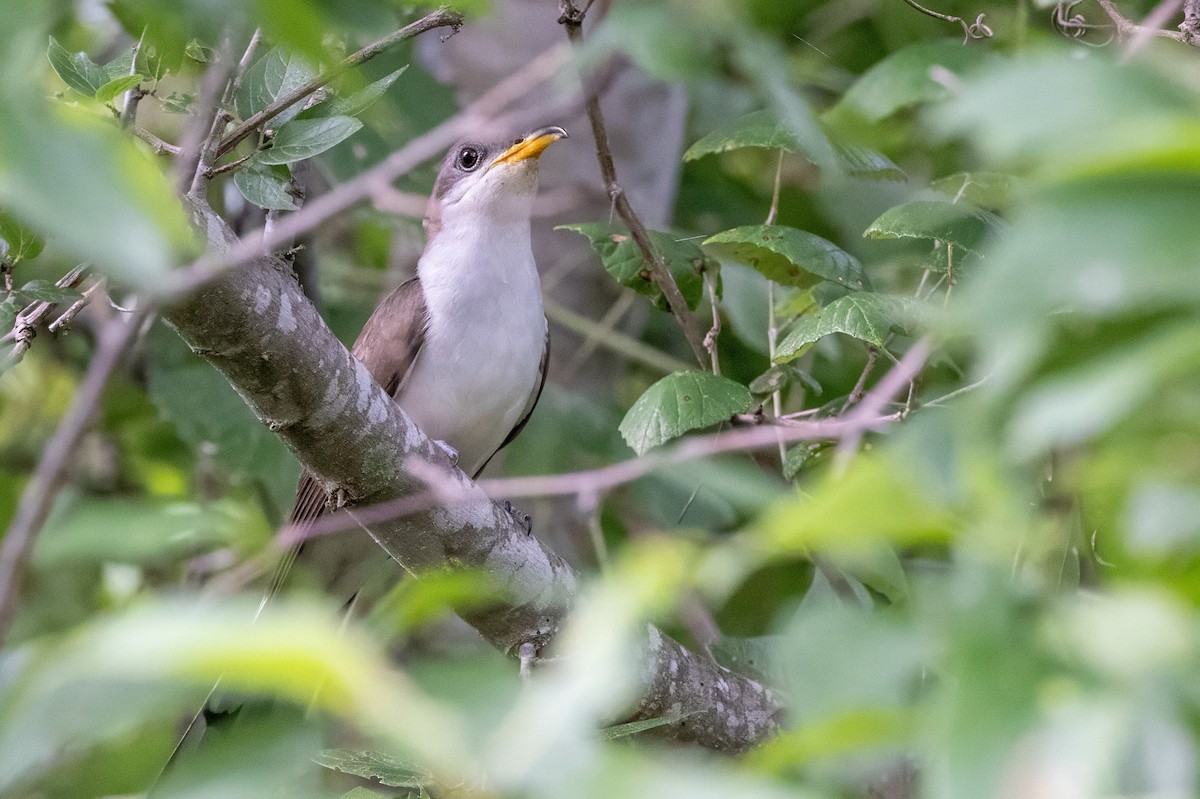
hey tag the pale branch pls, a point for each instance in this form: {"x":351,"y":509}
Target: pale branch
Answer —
{"x":25,"y":327}
{"x":1127,"y":30}
{"x":1190,"y":27}
{"x":159,"y":146}
{"x":38,"y":497}
{"x":316,"y":212}
{"x":442,"y":18}
{"x":258,"y":329}
{"x":571,"y":17}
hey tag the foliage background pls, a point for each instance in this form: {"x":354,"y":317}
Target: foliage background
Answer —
{"x":995,"y":597}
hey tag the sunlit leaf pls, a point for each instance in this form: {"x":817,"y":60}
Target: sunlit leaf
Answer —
{"x":681,"y":402}
{"x":76,"y":69}
{"x":387,"y":769}
{"x":788,"y":256}
{"x":304,"y":138}
{"x":969,"y":228}
{"x":116,"y":86}
{"x":863,"y":315}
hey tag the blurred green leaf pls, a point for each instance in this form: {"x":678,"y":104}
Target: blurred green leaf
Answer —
{"x":760,"y":129}
{"x":918,"y":73}
{"x":788,"y":256}
{"x":361,"y":793}
{"x":22,"y":243}
{"x":197,"y":51}
{"x":863,"y":162}
{"x":116,"y":86}
{"x":863,"y":315}
{"x":622,"y":259}
{"x":76,"y":69}
{"x":681,"y":402}
{"x":276,"y":74}
{"x":358,"y":102}
{"x":619,"y":731}
{"x":121,"y":66}
{"x":980,"y":189}
{"x":265,"y":185}
{"x":304,"y":138}
{"x":45,"y":291}
{"x":380,"y":766}
{"x":178,"y":103}
{"x":971,"y":229}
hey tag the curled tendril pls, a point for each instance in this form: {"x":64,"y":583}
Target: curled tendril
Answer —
{"x":977,"y":30}
{"x":1075,"y":26}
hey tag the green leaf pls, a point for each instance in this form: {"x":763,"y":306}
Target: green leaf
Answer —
{"x":304,"y":138}
{"x":178,"y":103}
{"x":681,"y":402}
{"x":980,"y":189}
{"x":863,"y":162}
{"x":622,"y":259}
{"x":9,"y":308}
{"x":618,"y":731}
{"x":760,"y":129}
{"x":865,"y":316}
{"x":967,"y":227}
{"x":45,"y":291}
{"x":120,"y":66}
{"x":907,"y":77}
{"x":197,"y":51}
{"x":361,"y":793}
{"x":385,"y":768}
{"x":76,"y":69}
{"x":265,"y":185}
{"x":788,"y":256}
{"x":274,"y":75}
{"x":117,"y":85}
{"x":358,"y":102}
{"x":22,"y":242}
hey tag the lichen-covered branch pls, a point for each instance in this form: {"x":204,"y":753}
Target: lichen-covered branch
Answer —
{"x":258,"y":329}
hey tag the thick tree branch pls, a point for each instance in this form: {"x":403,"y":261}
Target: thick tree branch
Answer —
{"x":258,"y":329}
{"x":442,"y":18}
{"x":572,"y":17}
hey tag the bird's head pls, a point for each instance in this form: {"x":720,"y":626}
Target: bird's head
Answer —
{"x":497,"y":179}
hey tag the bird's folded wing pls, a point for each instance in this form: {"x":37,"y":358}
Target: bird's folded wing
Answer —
{"x":534,"y":396}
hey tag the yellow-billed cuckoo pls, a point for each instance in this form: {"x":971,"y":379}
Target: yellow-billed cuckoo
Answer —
{"x":463,"y":346}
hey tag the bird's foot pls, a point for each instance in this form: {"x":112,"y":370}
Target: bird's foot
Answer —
{"x":523,"y":519}
{"x":450,"y":451}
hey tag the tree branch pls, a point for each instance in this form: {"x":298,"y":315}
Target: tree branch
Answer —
{"x":258,"y":329}
{"x":442,"y":18}
{"x":572,"y":18}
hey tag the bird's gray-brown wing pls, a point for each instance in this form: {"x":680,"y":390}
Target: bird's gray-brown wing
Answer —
{"x":543,"y":367}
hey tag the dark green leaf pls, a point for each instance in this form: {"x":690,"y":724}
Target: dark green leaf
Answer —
{"x":22,"y":242}
{"x":908,"y":77}
{"x":622,"y":259}
{"x":358,"y":102}
{"x":304,"y":138}
{"x":865,"y":316}
{"x":967,"y":227}
{"x":265,"y":185}
{"x":76,"y":69}
{"x":863,"y":162}
{"x":760,"y":129}
{"x":274,"y":75}
{"x":681,"y":402}
{"x":379,"y":766}
{"x":618,"y":731}
{"x":789,"y":256}
{"x":117,"y":85}
{"x":45,"y":291}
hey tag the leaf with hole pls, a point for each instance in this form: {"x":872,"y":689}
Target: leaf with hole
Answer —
{"x":865,"y":316}
{"x":788,"y":256}
{"x":969,"y":228}
{"x":387,"y":769}
{"x":22,"y":242}
{"x":265,"y":185}
{"x":623,"y":260}
{"x":275,"y":75}
{"x":117,"y":85}
{"x":681,"y":402}
{"x":304,"y":138}
{"x":76,"y":69}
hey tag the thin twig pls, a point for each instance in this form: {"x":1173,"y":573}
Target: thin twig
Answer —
{"x":133,"y":96}
{"x":443,"y":18}
{"x":710,"y":338}
{"x":772,"y":325}
{"x":195,"y":144}
{"x":905,"y":371}
{"x":597,"y":334}
{"x":976,"y":30}
{"x":856,"y":393}
{"x":65,"y":318}
{"x":1127,"y":31}
{"x":38,"y":497}
{"x":571,"y":17}
{"x":25,"y":327}
{"x":159,"y":146}
{"x":614,"y":340}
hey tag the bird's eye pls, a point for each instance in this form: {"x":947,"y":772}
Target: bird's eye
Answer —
{"x":468,"y":159}
{"x":517,"y":141}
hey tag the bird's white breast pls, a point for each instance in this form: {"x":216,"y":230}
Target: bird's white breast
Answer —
{"x":479,"y":366}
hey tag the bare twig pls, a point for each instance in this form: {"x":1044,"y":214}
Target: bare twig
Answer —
{"x":195,"y":144}
{"x":571,"y":17}
{"x":596,"y":334}
{"x":772,"y":326}
{"x":65,"y":318}
{"x":1130,"y":32}
{"x":905,"y":371}
{"x":442,"y":18}
{"x":317,"y":211}
{"x":159,"y":146}
{"x":25,"y":327}
{"x":614,"y":340}
{"x":36,"y":500}
{"x":971,"y":30}
{"x":856,"y":393}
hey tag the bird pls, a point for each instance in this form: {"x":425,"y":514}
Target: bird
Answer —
{"x":463,"y":346}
